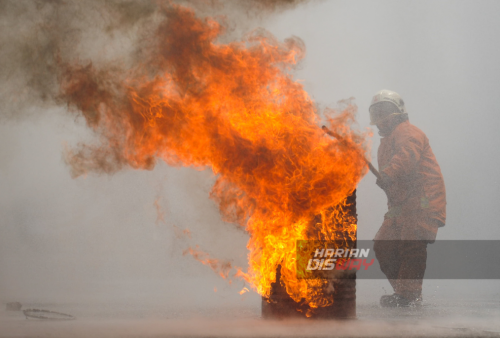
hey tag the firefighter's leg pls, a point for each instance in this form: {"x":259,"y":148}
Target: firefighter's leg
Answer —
{"x":413,"y":253}
{"x":386,"y":249}
{"x":411,"y":273}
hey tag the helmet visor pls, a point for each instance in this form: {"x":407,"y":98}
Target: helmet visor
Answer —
{"x":382,"y":110}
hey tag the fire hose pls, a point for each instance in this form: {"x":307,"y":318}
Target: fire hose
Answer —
{"x":344,"y":141}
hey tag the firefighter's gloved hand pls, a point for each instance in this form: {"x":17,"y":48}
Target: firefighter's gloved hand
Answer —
{"x":384,"y":182}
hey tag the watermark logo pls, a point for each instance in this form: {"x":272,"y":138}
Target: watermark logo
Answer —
{"x":444,"y":259}
{"x":326,"y":259}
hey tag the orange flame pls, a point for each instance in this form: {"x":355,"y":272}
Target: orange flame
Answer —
{"x":221,"y":267}
{"x":236,"y":109}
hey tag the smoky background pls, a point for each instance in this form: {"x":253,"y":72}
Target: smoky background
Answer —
{"x":119,"y":239}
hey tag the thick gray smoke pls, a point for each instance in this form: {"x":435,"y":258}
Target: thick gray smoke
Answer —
{"x":37,"y":36}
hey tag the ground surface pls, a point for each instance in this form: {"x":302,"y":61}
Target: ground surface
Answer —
{"x":437,"y":318}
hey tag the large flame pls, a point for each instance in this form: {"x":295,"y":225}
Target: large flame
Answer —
{"x":236,"y":109}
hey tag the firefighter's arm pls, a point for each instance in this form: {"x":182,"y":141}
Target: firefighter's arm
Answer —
{"x":409,"y":149}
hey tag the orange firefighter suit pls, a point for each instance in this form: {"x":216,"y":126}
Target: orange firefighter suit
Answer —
{"x":417,"y":207}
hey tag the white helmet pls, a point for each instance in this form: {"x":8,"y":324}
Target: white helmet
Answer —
{"x":387,"y":96}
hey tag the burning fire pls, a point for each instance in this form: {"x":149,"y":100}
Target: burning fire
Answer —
{"x":236,"y":109}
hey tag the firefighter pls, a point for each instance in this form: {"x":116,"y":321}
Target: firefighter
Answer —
{"x":414,"y":185}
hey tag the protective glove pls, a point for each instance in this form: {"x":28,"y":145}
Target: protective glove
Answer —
{"x":384,"y":182}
